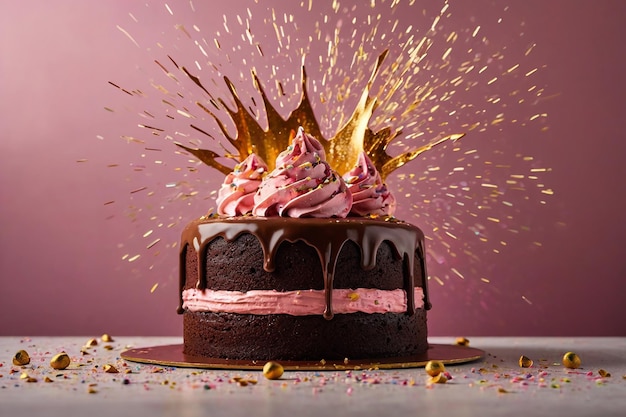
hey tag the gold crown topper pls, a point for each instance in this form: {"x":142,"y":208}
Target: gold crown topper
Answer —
{"x":341,"y":150}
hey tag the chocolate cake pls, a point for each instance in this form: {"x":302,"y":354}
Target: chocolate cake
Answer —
{"x":300,"y":263}
{"x":358,"y":260}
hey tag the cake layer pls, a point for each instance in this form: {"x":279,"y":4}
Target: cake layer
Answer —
{"x":284,"y":337}
{"x":359,"y":285}
{"x":251,"y":253}
{"x":299,"y":303}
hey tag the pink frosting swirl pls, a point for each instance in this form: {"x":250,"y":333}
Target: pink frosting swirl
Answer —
{"x":236,"y":196}
{"x":370,"y":195}
{"x":303,"y":184}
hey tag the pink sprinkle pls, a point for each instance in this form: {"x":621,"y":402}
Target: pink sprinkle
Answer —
{"x":349,"y":391}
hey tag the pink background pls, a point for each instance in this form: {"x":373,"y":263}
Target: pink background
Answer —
{"x":63,"y":269}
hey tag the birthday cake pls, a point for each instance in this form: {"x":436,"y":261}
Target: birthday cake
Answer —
{"x":301,"y":263}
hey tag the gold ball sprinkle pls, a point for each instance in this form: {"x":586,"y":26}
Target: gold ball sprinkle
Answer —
{"x":571,"y":360}
{"x":273,"y":370}
{"x":106,"y":338}
{"x":21,"y":358}
{"x":604,"y":374}
{"x":434,"y":368}
{"x":462,"y":341}
{"x":525,"y":362}
{"x":60,"y":361}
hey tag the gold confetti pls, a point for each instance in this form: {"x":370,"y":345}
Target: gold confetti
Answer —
{"x":462,"y":341}
{"x":110,"y":369}
{"x":21,"y":358}
{"x":91,"y":343}
{"x":438,"y":379}
{"x":128,"y":35}
{"x":525,"y":362}
{"x":353,"y":296}
{"x":60,"y":361}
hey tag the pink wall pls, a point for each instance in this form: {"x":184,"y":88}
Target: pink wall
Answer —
{"x":62,"y":270}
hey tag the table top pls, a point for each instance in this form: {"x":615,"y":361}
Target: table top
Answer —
{"x":494,"y":385}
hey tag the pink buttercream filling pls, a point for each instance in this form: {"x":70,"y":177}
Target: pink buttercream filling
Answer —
{"x":299,"y":303}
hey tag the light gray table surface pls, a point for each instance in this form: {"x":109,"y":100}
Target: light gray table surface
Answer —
{"x":495,"y":385}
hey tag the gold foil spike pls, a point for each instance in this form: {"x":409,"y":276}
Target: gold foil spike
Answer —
{"x":208,"y":157}
{"x":342,"y":149}
{"x":350,"y":139}
{"x":390,"y":164}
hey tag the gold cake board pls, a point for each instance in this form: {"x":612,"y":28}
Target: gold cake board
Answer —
{"x":172,"y":355}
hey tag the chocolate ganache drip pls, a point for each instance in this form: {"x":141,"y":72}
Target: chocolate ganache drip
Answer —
{"x":406,"y":240}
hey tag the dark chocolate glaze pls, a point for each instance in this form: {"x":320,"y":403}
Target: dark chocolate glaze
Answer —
{"x":326,"y":236}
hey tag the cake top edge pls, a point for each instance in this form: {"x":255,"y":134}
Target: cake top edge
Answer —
{"x":290,"y":222}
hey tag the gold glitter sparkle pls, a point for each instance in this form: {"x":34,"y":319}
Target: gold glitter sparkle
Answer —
{"x":400,"y":90}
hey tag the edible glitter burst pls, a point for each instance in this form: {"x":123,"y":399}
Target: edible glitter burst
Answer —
{"x":416,"y":81}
